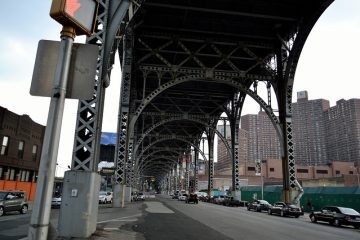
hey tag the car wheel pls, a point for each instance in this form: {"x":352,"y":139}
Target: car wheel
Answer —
{"x":356,"y":226}
{"x":297,"y":216}
{"x":248,"y":208}
{"x":257,"y":209}
{"x":24,"y":209}
{"x":336,"y":223}
{"x":269,"y":212}
{"x":313,"y":218}
{"x":282,"y":213}
{"x":1,"y":211}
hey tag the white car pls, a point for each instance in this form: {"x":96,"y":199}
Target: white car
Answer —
{"x":183,"y":197}
{"x":56,"y":202}
{"x":105,"y":197}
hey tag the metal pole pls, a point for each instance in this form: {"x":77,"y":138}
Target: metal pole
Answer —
{"x":40,"y":217}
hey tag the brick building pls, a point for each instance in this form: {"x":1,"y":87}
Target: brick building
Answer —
{"x":21,"y":142}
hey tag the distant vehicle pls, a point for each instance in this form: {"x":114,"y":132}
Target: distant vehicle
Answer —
{"x":230,"y":202}
{"x":285,"y":209}
{"x":13,"y":201}
{"x":140,"y":196}
{"x":192,"y":198}
{"x":182,"y":197}
{"x":337,"y":216}
{"x":105,"y":197}
{"x":175,"y":196}
{"x":56,"y":202}
{"x":258,"y":205}
{"x":219,"y":200}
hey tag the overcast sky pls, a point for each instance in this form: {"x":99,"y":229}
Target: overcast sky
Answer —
{"x":328,"y":66}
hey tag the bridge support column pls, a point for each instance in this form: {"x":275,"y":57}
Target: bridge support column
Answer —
{"x":196,"y":170}
{"x":211,"y":135}
{"x":235,"y":161}
{"x":292,"y":190}
{"x":122,"y":144}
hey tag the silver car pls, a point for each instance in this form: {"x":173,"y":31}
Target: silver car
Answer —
{"x":13,"y":201}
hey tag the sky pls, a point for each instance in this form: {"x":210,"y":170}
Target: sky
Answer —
{"x":328,"y":65}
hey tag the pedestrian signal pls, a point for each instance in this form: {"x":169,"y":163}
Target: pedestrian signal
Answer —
{"x":80,"y":14}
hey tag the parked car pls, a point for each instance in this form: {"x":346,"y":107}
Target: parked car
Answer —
{"x":219,"y":200}
{"x":13,"y":201}
{"x":56,"y":202}
{"x":337,"y":216}
{"x":230,"y":202}
{"x":105,"y":197}
{"x":182,"y":197}
{"x":175,"y":196}
{"x":140,"y":196}
{"x":192,"y":198}
{"x":285,"y":209}
{"x":258,"y":205}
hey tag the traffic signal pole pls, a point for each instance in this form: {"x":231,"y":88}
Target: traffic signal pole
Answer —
{"x":40,"y":217}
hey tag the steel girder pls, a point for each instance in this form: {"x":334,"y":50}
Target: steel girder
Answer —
{"x":194,"y":63}
{"x":89,"y":116}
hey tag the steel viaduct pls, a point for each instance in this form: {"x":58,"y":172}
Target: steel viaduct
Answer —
{"x":184,"y":64}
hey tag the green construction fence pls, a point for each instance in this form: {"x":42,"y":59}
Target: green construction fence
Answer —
{"x":319,"y":197}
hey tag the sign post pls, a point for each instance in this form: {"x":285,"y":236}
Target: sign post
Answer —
{"x":74,"y":16}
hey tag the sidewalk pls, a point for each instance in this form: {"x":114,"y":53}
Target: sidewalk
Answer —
{"x":111,"y":223}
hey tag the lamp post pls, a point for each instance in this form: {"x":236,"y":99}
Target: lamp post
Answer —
{"x":357,"y":175}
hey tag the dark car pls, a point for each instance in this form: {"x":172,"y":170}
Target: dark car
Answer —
{"x":230,"y":202}
{"x":13,"y":201}
{"x":258,"y":205}
{"x":285,"y":209}
{"x":337,"y":216}
{"x":192,"y":198}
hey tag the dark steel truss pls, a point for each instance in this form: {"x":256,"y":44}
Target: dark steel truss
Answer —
{"x":187,"y":63}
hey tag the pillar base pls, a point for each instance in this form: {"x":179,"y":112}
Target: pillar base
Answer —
{"x":79,"y":205}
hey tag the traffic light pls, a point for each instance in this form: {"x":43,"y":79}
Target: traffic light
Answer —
{"x":80,"y":14}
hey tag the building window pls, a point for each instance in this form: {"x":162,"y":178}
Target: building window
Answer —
{"x":251,"y":168}
{"x":34,"y":152}
{"x":337,"y":172}
{"x":21,"y":149}
{"x":12,"y":174}
{"x":4,"y":145}
{"x":322,"y":171}
{"x":302,"y":170}
{"x":351,"y":172}
{"x":272,"y":169}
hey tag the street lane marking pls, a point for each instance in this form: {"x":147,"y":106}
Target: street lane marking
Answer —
{"x":121,"y":219}
{"x":157,"y":207}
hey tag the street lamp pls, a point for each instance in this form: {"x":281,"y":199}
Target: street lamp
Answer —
{"x":357,"y":175}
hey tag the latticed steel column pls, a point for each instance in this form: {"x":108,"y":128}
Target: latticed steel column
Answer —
{"x":89,"y":117}
{"x":235,"y":154}
{"x":122,"y":144}
{"x":196,"y":170}
{"x":187,"y":175}
{"x":175,"y":178}
{"x":210,"y":138}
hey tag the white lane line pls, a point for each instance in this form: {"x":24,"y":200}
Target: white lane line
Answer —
{"x":120,"y":219}
{"x":157,"y":207}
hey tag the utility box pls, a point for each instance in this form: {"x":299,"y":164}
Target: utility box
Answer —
{"x":79,"y":205}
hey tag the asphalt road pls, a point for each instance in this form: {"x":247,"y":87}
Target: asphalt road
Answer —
{"x":164,"y":218}
{"x":239,"y":223}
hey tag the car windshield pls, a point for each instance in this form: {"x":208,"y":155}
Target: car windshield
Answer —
{"x":2,"y":195}
{"x":102,"y":193}
{"x":263,"y":202}
{"x":348,"y":211}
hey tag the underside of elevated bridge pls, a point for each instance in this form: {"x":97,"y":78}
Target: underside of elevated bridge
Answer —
{"x":184,"y":65}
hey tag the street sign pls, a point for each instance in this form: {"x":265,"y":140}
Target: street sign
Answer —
{"x":82,"y":70}
{"x":80,"y":14}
